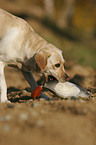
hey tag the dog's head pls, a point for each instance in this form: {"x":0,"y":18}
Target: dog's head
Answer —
{"x":51,"y":62}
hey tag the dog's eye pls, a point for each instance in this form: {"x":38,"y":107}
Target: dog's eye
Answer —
{"x":57,"y":65}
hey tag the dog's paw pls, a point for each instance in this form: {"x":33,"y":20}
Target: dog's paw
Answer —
{"x":5,"y":101}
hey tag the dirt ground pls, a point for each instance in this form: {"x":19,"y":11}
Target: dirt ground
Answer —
{"x":40,"y":122}
{"x":27,"y":121}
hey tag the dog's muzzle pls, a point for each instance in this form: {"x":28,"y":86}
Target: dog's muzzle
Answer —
{"x":64,"y":78}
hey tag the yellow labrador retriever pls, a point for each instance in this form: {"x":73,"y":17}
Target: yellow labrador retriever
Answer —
{"x":21,"y":46}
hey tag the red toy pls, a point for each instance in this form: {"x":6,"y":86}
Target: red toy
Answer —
{"x":36,"y":93}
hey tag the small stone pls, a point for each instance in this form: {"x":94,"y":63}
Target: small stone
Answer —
{"x":93,"y":98}
{"x":73,"y":98}
{"x":24,"y":116}
{"x":34,"y":114}
{"x":81,"y":101}
{"x":10,"y":106}
{"x":24,"y":91}
{"x":6,"y":128}
{"x":5,"y":118}
{"x":43,"y":111}
{"x":40,"y":123}
{"x":42,"y":99}
{"x":47,"y":109}
{"x":35,"y":104}
{"x":84,"y":111}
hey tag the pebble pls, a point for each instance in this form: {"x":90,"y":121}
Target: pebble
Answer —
{"x":81,"y":101}
{"x":5,"y":118}
{"x":34,"y":114}
{"x":10,"y":106}
{"x":35,"y":105}
{"x":24,"y":91}
{"x":73,"y":98}
{"x":6,"y":128}
{"x":85,"y":111}
{"x":43,"y":111}
{"x":93,"y":98}
{"x":23,"y":116}
{"x":42,"y":99}
{"x":40,"y":123}
{"x":47,"y":109}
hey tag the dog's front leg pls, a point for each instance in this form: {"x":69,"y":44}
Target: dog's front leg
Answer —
{"x":30,"y":79}
{"x":3,"y":87}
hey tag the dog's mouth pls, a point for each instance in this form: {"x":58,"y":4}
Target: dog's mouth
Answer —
{"x":46,"y":79}
{"x":51,"y":78}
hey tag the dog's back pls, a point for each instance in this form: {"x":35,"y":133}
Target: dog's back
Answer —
{"x":7,"y":21}
{"x":13,"y":34}
{"x":12,"y":27}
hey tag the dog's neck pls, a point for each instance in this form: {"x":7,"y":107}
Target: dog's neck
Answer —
{"x":34,"y":44}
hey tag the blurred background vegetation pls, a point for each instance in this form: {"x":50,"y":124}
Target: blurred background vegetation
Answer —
{"x":68,"y":24}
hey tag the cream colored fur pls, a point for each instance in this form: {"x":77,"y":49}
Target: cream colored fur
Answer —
{"x":19,"y":44}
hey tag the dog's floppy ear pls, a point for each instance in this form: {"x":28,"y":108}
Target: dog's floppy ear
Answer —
{"x":41,"y":59}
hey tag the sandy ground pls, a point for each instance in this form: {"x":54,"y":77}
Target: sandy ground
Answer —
{"x":27,"y":121}
{"x":40,"y":122}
